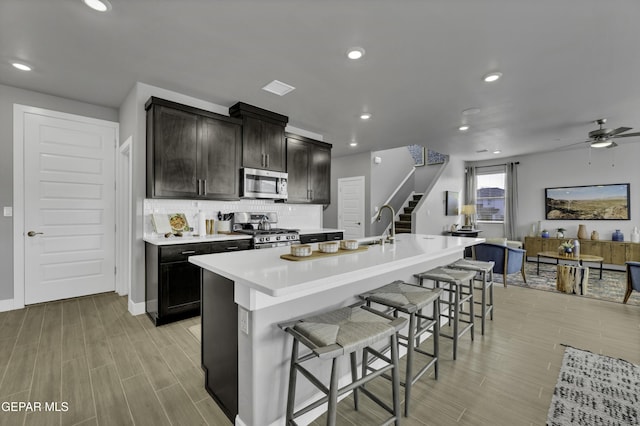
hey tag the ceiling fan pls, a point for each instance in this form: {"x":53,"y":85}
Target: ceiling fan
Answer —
{"x":603,"y":138}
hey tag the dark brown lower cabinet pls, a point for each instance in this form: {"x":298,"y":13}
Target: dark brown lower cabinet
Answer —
{"x":172,"y":289}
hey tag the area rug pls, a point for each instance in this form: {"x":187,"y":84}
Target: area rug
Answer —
{"x":595,"y":390}
{"x":612,"y":287}
{"x":195,"y":330}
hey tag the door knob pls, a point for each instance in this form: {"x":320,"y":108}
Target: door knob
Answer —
{"x":34,"y":233}
{"x":357,"y":223}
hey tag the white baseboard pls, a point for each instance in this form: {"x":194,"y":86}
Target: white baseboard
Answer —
{"x":6,"y":305}
{"x":136,"y":308}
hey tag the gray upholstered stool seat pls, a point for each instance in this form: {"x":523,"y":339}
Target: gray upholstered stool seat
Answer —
{"x":485,"y":271}
{"x":340,"y":332}
{"x":411,"y":299}
{"x":459,"y":281}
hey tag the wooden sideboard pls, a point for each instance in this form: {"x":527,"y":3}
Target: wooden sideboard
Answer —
{"x":613,"y":252}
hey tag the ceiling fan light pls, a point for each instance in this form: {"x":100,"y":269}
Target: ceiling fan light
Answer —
{"x":602,"y":143}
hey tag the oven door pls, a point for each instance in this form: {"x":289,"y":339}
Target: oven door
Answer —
{"x":257,"y":183}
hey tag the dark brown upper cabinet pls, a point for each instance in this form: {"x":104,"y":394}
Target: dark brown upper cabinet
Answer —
{"x":309,"y":169}
{"x":263,"y":140}
{"x":191,"y":153}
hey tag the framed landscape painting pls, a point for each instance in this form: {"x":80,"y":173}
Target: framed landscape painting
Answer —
{"x":592,"y":202}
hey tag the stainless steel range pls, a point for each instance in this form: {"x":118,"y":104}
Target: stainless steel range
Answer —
{"x":261,"y":227}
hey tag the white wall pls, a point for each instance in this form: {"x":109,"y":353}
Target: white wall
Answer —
{"x":9,"y":96}
{"x":343,"y":167}
{"x":431,"y":218}
{"x":385,"y":177}
{"x":571,"y":168}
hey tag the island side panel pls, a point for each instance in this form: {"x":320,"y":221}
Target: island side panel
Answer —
{"x":265,"y":353}
{"x":219,"y":317}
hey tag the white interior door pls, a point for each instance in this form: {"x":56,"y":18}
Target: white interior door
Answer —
{"x":69,"y":206}
{"x":351,"y":206}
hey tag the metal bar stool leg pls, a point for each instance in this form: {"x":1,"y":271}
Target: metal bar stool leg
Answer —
{"x":333,"y":393}
{"x":354,"y":377}
{"x":456,"y":318}
{"x":395,"y":378}
{"x":436,"y":336}
{"x":409,"y":370}
{"x":292,"y":381}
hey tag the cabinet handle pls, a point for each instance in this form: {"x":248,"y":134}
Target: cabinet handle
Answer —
{"x":313,"y":240}
{"x":311,"y":194}
{"x":262,"y":160}
{"x":267,"y":160}
{"x":204,"y":183}
{"x":233,"y":248}
{"x":188,"y":252}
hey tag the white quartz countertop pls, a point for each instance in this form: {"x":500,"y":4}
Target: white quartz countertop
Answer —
{"x":264,"y":270}
{"x":162,"y":241}
{"x":319,"y":231}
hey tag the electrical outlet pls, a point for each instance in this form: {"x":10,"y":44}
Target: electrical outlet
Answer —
{"x":8,"y":211}
{"x":244,"y":320}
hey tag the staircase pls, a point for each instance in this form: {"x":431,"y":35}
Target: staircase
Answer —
{"x":403,"y":226}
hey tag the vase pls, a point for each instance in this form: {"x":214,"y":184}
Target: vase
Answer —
{"x":582,"y":232}
{"x":617,"y":236}
{"x":576,"y":248}
{"x":595,"y":236}
{"x":545,"y":234}
{"x":559,"y":234}
{"x":635,"y":235}
{"x":568,"y":250}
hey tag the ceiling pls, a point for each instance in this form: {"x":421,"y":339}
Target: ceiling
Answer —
{"x":564,"y":63}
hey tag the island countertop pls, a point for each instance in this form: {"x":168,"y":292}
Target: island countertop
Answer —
{"x":266,"y":272}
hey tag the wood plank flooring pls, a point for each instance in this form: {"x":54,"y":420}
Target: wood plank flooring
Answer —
{"x":116,"y":369}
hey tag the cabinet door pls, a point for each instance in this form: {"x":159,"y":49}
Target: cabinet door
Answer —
{"x":298,"y":171}
{"x":633,"y":252}
{"x":252,"y":153}
{"x":175,"y":153}
{"x":532,"y":245}
{"x":320,"y":175}
{"x":618,"y":253}
{"x":219,"y":160}
{"x":273,"y":146}
{"x":179,"y":288}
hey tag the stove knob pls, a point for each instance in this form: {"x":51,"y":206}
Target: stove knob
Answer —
{"x":261,"y":239}
{"x":277,"y":238}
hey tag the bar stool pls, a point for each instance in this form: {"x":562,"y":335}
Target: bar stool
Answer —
{"x":411,"y":299}
{"x":334,"y":334}
{"x":458,"y":281}
{"x":485,"y":270}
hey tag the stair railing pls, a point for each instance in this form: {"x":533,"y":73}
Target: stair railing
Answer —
{"x":414,"y":213}
{"x":396,"y":200}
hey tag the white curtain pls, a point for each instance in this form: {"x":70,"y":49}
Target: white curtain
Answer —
{"x":511,"y":219}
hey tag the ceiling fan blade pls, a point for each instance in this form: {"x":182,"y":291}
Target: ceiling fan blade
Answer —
{"x":628,"y":135}
{"x":619,"y":130}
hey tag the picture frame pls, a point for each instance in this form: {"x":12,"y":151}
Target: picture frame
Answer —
{"x":451,"y":203}
{"x":588,"y":202}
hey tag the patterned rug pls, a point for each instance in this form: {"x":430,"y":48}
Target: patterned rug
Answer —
{"x":595,"y":390}
{"x":612,"y":287}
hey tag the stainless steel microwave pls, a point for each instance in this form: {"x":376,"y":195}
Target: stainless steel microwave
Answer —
{"x":258,"y":183}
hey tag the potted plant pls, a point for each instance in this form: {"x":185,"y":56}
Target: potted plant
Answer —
{"x":544,"y":233}
{"x":560,"y":232}
{"x":567,"y":247}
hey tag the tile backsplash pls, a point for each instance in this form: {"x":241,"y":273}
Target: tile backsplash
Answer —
{"x":296,"y":216}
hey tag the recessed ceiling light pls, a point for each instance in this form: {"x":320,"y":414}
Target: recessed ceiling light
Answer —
{"x":494,"y":76}
{"x":497,"y":151}
{"x":278,"y":87}
{"x":463,"y":128}
{"x":365,"y":116}
{"x":21,"y":66}
{"x":99,"y":5}
{"x":354,"y":143}
{"x":355,"y":53}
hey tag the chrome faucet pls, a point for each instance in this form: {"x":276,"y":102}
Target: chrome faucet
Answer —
{"x":392,"y":235}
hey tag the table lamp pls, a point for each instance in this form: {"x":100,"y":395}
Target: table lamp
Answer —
{"x":467,"y":211}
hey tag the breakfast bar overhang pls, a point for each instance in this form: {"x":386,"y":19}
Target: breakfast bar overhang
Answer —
{"x":246,"y":294}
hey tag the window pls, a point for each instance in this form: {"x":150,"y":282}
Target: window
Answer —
{"x":490,"y":197}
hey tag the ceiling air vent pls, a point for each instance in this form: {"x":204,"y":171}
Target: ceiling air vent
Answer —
{"x":278,"y":87}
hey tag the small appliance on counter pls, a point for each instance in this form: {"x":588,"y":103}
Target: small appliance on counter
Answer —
{"x":261,"y":225}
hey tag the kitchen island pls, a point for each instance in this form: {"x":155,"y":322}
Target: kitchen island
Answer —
{"x":246,"y":294}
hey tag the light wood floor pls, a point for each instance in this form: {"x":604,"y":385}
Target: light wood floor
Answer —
{"x":116,"y":369}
